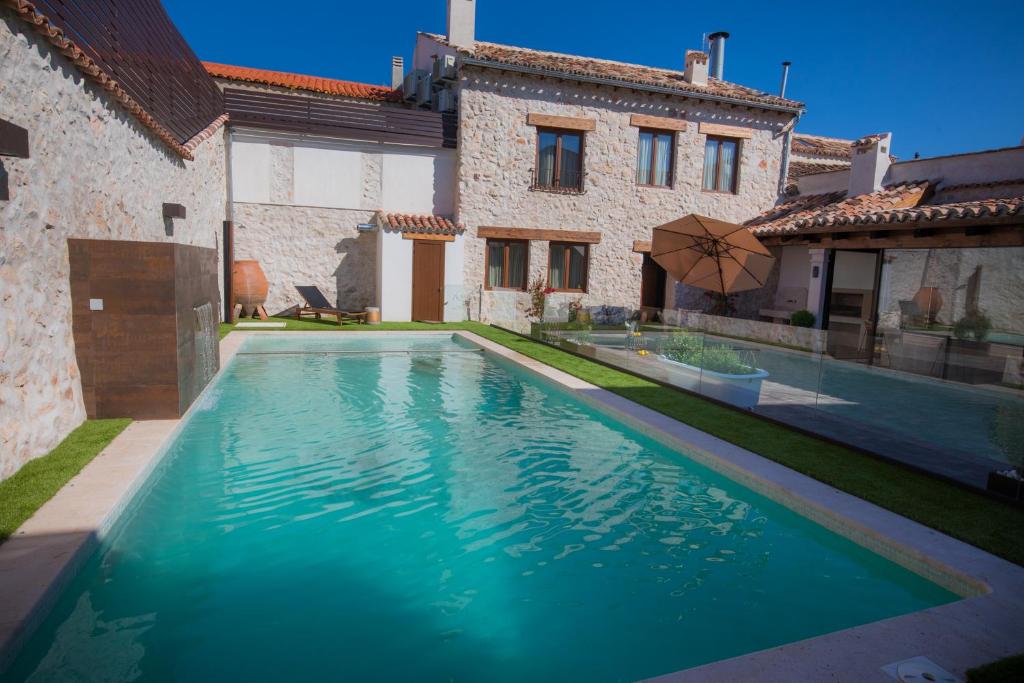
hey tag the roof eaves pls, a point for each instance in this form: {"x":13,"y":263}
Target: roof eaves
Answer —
{"x":618,"y":83}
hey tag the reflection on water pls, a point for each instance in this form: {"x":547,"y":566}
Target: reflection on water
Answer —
{"x":443,"y":517}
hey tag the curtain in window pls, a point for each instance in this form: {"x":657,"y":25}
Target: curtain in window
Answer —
{"x":577,"y":266}
{"x":495,"y":263}
{"x":546,"y":159}
{"x":663,"y":144}
{"x":556,"y":266}
{"x":643,"y":158}
{"x":710,"y":162}
{"x":727,"y":168}
{"x":569,"y":169}
{"x":516,"y":265}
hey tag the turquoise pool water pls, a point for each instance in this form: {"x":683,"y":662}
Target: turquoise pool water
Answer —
{"x":349,"y":514}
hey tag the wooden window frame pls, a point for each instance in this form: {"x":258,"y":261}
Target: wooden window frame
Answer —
{"x":568,"y":254}
{"x":718,"y":165}
{"x":556,"y":174}
{"x":504,"y":253}
{"x":671,"y":157}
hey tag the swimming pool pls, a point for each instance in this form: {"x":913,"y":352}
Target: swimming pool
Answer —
{"x":399,"y":507}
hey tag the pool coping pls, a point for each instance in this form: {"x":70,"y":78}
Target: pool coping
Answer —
{"x":45,"y":553}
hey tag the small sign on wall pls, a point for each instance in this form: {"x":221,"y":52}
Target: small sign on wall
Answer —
{"x":95,"y":304}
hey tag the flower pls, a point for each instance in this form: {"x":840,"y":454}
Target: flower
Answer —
{"x":548,"y":290}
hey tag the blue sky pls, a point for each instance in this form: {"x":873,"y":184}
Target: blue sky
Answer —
{"x":943,"y":76}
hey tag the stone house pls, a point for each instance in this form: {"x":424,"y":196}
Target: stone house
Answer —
{"x":346,"y":194}
{"x":916,"y":264}
{"x":101,"y":160}
{"x":566,"y":163}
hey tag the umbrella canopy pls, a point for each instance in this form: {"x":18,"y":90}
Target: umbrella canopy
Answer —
{"x":711,"y":254}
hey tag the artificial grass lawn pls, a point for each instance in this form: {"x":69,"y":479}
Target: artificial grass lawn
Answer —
{"x":38,"y":480}
{"x":1009,"y":670}
{"x":961,"y":513}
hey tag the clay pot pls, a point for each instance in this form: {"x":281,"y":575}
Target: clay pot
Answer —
{"x":249,"y":285}
{"x":929,"y":302}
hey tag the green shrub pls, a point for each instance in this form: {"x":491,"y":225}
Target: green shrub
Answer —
{"x":689,"y":348}
{"x":974,"y":326}
{"x":802,"y":318}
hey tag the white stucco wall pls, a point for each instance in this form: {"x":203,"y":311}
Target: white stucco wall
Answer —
{"x":94,"y":172}
{"x":854,"y":270}
{"x":497,"y":151}
{"x":395,"y":295}
{"x":304,"y":228}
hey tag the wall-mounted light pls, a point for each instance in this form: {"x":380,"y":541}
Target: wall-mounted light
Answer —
{"x":366,"y":227}
{"x":174,"y":210}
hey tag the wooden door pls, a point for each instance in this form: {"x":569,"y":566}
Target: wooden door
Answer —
{"x":428,"y":280}
{"x":652,"y":284}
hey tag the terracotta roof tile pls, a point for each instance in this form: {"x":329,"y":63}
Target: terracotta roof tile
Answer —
{"x":568,"y":66}
{"x":798,"y":169}
{"x":819,"y":145}
{"x":327,"y":86}
{"x":903,"y":203}
{"x":433,"y":225}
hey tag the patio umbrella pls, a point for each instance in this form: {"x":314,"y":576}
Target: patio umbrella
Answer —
{"x":711,"y":254}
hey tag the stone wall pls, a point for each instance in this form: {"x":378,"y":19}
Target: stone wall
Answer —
{"x":998,"y":281}
{"x":497,"y":152}
{"x":94,"y":172}
{"x":305,"y":245}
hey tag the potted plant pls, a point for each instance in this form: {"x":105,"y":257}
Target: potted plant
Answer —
{"x":538,"y":291}
{"x":802,"y":318}
{"x":1008,"y":433}
{"x":577,"y":313}
{"x":714,"y":370}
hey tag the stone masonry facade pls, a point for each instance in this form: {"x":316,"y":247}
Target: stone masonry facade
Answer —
{"x":310,"y":245}
{"x":497,"y":153}
{"x":94,"y":172}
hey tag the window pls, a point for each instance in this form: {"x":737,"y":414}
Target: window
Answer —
{"x":567,"y":266}
{"x":654,"y":158}
{"x":506,"y":264}
{"x":721,"y":159}
{"x":559,"y":160}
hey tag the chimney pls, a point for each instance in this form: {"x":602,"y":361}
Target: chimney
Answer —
{"x":717,"y":41}
{"x":461,"y":23}
{"x":869,"y":164}
{"x":397,"y":72}
{"x":785,"y":78}
{"x":696,"y":67}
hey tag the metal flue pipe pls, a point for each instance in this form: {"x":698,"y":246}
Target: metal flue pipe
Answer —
{"x":717,"y":65}
{"x":785,"y":78}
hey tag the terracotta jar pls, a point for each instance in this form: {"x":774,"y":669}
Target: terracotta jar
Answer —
{"x":249,"y":285}
{"x":929,"y":302}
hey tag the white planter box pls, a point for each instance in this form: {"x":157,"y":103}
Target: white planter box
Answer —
{"x":742,"y":391}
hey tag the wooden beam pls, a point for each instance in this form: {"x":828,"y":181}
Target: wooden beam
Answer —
{"x":952,"y":238}
{"x":567,"y":122}
{"x":641,"y":246}
{"x":725,"y":131}
{"x":428,"y":236}
{"x":657,"y":122}
{"x":538,"y":234}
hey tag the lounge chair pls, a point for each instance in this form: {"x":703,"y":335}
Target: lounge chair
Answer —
{"x":317,"y":304}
